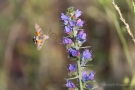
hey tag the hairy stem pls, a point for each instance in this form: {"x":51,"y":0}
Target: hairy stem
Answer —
{"x":80,"y":75}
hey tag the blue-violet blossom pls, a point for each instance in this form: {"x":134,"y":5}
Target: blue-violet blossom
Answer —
{"x":67,"y":40}
{"x":86,"y":77}
{"x":81,"y":37}
{"x":70,"y":84}
{"x":72,"y":68}
{"x":73,"y":52}
{"x":64,"y":17}
{"x":86,"y":54}
{"x":72,"y":23}
{"x":79,"y":22}
{"x":68,"y":29}
{"x":91,"y":75}
{"x":78,"y":13}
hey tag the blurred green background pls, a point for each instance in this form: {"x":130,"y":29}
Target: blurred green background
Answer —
{"x":23,"y":67}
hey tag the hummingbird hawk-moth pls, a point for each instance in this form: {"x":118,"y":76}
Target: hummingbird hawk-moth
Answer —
{"x":40,"y":38}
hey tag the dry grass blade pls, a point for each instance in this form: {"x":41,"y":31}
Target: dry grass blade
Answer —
{"x":123,"y":20}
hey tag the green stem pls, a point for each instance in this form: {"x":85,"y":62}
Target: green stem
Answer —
{"x":123,"y":41}
{"x":80,"y":74}
{"x":131,"y":5}
{"x":125,"y":46}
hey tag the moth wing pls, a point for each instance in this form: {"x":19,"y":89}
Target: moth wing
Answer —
{"x":38,"y":30}
{"x":40,"y":44}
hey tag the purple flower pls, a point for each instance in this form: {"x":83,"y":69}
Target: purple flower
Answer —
{"x":67,"y":40}
{"x":89,"y":87}
{"x":78,"y":13}
{"x":65,"y":22}
{"x":70,"y":84}
{"x":79,"y":22}
{"x":81,"y":35}
{"x":80,"y":42}
{"x":86,"y":54}
{"x":91,"y":75}
{"x":73,"y":52}
{"x":72,"y":23}
{"x":72,"y":68}
{"x":68,"y":29}
{"x":86,"y":77}
{"x":64,"y":17}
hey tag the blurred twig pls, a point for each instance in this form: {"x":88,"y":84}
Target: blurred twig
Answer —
{"x":123,"y":20}
{"x":14,"y":32}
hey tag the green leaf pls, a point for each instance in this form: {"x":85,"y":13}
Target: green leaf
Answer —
{"x":70,"y":9}
{"x":86,"y":47}
{"x":72,"y":78}
{"x":87,"y":65}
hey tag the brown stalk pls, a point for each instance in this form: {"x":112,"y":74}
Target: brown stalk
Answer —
{"x":123,"y":20}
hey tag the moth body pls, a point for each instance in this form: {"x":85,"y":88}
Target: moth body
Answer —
{"x":40,"y":38}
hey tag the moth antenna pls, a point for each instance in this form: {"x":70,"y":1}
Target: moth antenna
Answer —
{"x":50,"y":34}
{"x":49,"y":31}
{"x":53,"y":34}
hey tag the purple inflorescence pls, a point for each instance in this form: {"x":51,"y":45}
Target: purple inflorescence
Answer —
{"x":76,"y":36}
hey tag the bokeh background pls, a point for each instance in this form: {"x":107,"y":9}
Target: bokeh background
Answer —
{"x":23,"y":67}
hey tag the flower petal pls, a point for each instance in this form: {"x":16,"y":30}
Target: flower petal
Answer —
{"x":78,"y":13}
{"x":64,"y":17}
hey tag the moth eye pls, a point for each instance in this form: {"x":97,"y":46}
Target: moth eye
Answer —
{"x":34,"y":40}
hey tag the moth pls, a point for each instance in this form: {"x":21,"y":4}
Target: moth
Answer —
{"x":40,"y":38}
